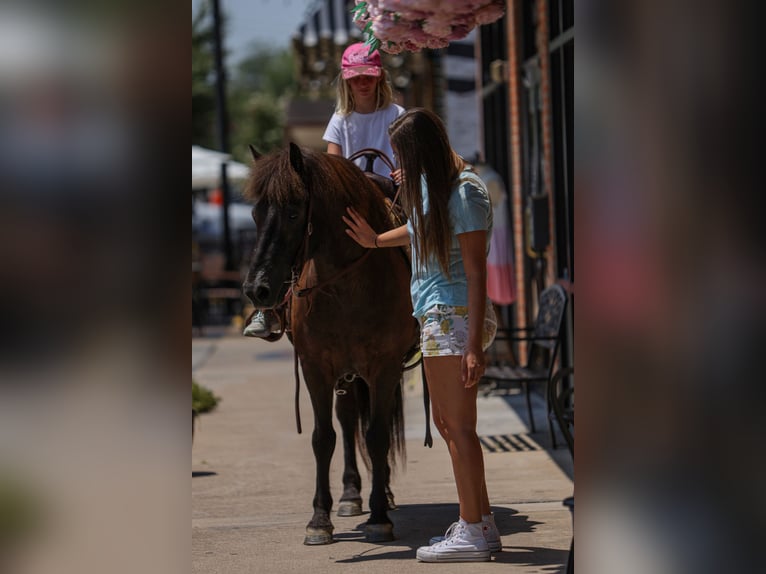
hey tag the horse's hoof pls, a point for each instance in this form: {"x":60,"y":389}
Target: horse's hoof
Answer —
{"x":349,"y":508}
{"x":317,"y":536}
{"x":391,"y":502}
{"x":379,"y":532}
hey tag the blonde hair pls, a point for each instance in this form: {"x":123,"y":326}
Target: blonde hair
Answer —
{"x":384,"y":94}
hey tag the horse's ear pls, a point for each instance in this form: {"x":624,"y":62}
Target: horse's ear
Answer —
{"x":254,"y":152}
{"x":296,"y":159}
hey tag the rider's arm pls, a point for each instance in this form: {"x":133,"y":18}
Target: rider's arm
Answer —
{"x":334,"y":149}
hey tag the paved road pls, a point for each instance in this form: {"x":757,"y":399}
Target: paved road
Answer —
{"x":253,"y":479}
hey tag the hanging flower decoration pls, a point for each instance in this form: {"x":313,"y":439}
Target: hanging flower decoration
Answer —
{"x":395,"y":26}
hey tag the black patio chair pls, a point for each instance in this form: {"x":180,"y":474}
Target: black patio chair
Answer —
{"x":544,"y":340}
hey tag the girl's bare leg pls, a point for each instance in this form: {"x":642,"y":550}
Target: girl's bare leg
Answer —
{"x":454,"y":414}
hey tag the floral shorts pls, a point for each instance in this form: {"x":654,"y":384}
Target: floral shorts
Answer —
{"x":444,"y":330}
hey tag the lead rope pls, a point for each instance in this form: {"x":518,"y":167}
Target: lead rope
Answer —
{"x":288,"y":312}
{"x":297,"y":392}
{"x":429,"y":442}
{"x":305,"y":249}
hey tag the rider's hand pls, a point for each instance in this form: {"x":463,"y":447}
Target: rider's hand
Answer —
{"x":397,"y":176}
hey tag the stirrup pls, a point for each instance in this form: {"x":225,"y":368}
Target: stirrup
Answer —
{"x":413,"y":359}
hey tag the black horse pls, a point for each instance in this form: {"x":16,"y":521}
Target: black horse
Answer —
{"x":349,"y":316}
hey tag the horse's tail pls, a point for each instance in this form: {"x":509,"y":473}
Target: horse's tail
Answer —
{"x":362,"y":399}
{"x":397,"y":451}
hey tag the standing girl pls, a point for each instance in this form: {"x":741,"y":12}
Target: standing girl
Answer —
{"x":450,"y":222}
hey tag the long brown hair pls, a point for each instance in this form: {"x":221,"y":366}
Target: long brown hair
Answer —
{"x":420,"y":141}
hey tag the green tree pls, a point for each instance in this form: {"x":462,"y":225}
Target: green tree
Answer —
{"x":263,"y":82}
{"x":257,"y":93}
{"x":203,"y":80}
{"x":266,"y":70}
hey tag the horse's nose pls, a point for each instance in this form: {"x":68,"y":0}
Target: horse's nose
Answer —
{"x":258,"y":292}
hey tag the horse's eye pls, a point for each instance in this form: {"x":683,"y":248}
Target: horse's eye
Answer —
{"x":292,"y":214}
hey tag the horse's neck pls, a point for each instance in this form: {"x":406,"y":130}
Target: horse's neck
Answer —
{"x":331,"y":249}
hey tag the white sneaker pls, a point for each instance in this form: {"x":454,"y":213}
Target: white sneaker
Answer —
{"x":488,"y":528}
{"x":259,"y":326}
{"x":463,"y":543}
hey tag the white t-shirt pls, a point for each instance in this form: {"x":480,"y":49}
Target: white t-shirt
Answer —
{"x":358,"y":131}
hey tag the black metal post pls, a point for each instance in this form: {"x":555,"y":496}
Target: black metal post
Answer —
{"x":223,"y":128}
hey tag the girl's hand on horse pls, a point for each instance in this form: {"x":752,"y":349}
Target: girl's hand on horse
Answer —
{"x":471,"y":367}
{"x":359,"y":230}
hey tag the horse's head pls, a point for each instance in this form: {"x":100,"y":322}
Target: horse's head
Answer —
{"x":278,"y":188}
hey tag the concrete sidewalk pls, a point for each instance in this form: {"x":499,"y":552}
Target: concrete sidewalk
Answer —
{"x":253,"y":478}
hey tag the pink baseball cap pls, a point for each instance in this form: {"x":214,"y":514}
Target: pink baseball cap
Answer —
{"x":357,"y":61}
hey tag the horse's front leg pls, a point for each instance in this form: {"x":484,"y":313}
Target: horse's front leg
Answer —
{"x":347,"y":410}
{"x":320,"y":528}
{"x":379,"y":527}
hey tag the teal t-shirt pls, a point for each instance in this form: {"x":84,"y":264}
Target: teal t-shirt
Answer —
{"x":470,"y":209}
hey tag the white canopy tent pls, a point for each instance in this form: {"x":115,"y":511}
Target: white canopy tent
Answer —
{"x":206,"y":168}
{"x":207,"y":217}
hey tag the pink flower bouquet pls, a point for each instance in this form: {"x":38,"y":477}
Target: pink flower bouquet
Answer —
{"x":397,"y":25}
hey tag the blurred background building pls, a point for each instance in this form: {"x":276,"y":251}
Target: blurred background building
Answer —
{"x":506,"y":95}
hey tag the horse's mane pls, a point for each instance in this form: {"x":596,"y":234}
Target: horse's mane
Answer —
{"x":332,"y":181}
{"x":271,"y":176}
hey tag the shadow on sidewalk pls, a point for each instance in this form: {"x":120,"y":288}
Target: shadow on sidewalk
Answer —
{"x":560,"y":455}
{"x":200,"y":473}
{"x":414,"y":524}
{"x":552,"y":560}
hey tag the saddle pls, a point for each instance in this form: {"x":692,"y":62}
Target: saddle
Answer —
{"x":389,"y":188}
{"x":387,"y":185}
